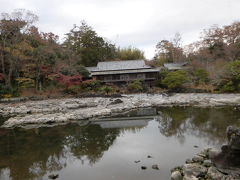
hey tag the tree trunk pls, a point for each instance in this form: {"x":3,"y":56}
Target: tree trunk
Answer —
{"x":9,"y":77}
{"x":2,"y":63}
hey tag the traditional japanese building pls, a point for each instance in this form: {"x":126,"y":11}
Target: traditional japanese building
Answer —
{"x":124,"y":71}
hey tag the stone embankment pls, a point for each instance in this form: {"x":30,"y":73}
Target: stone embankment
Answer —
{"x":213,"y":164}
{"x":38,"y":113}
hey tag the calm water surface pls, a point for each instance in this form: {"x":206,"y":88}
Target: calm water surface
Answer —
{"x":107,"y":149}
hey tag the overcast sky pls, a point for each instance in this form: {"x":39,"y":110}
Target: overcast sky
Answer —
{"x":139,"y":23}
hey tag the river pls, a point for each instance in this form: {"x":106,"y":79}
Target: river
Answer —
{"x":107,"y":148}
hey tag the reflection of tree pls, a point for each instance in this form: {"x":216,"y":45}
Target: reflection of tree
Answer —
{"x":208,"y":123}
{"x":172,"y":122}
{"x":32,"y":153}
{"x":91,"y":142}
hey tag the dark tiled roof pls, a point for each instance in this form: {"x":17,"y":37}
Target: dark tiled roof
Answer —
{"x":120,"y":65}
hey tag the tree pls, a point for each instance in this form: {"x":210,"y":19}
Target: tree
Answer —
{"x":13,"y":28}
{"x":83,"y":71}
{"x":231,"y":78}
{"x":169,"y":50}
{"x":175,"y":79}
{"x":130,"y":53}
{"x":91,"y":48}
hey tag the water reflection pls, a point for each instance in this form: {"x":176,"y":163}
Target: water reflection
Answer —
{"x":33,"y":154}
{"x":207,"y":123}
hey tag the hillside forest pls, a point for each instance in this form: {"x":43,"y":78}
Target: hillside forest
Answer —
{"x":33,"y":62}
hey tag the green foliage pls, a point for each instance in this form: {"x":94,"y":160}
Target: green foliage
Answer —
{"x":6,"y":92}
{"x":130,"y":53}
{"x":135,"y":86}
{"x":200,"y":76}
{"x":162,"y":75}
{"x":73,"y":90}
{"x":107,"y":89}
{"x":91,"y":48}
{"x":91,"y":85}
{"x":231,"y":80}
{"x":175,"y":79}
{"x":82,"y":71}
{"x":161,"y":60}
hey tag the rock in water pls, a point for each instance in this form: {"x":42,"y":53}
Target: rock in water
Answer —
{"x":194,"y":169}
{"x":137,"y":161}
{"x":155,"y":166}
{"x":53,"y":176}
{"x":214,"y":174}
{"x":230,"y":154}
{"x":149,"y":156}
{"x":143,"y":167}
{"x":176,"y":175}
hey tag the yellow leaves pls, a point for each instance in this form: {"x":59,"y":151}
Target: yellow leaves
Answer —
{"x":22,"y":50}
{"x":7,"y":96}
{"x":25,"y":82}
{"x":24,"y":46}
{"x":7,"y":49}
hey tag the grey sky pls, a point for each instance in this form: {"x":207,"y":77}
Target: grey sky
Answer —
{"x":140,"y":23}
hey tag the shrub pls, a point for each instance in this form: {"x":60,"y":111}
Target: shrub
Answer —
{"x":200,"y":76}
{"x":175,"y":79}
{"x":135,"y":86}
{"x":6,"y":92}
{"x":25,"y":82}
{"x":93,"y":85}
{"x":83,"y":71}
{"x":162,"y":75}
{"x":231,"y":80}
{"x":73,"y":90}
{"x":107,"y":89}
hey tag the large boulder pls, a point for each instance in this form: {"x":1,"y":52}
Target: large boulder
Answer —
{"x":229,"y":157}
{"x":194,"y":170}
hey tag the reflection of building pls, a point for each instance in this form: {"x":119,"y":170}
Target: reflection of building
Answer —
{"x":123,"y":122}
{"x":135,"y":118}
{"x":123,"y":71}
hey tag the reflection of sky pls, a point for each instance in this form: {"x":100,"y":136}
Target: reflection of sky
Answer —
{"x":170,"y":139}
{"x":118,"y":162}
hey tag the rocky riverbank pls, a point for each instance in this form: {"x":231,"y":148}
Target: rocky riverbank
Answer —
{"x":213,"y":164}
{"x":39,"y":113}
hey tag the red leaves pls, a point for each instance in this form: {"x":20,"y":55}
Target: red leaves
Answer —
{"x":67,"y":81}
{"x":1,"y":77}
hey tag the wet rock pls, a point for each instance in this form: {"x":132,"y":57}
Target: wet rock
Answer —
{"x":197,"y":158}
{"x":138,"y":161}
{"x":155,"y":166}
{"x":202,"y":154}
{"x":188,"y":161}
{"x":187,"y":177}
{"x":207,"y":163}
{"x":230,"y":154}
{"x":116,"y":101}
{"x":194,"y":169}
{"x":53,"y":176}
{"x":214,"y":174}
{"x":233,"y":172}
{"x":176,"y":175}
{"x":149,"y":156}
{"x":72,"y":109}
{"x":195,"y":146}
{"x":212,"y":153}
{"x":143,"y":167}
